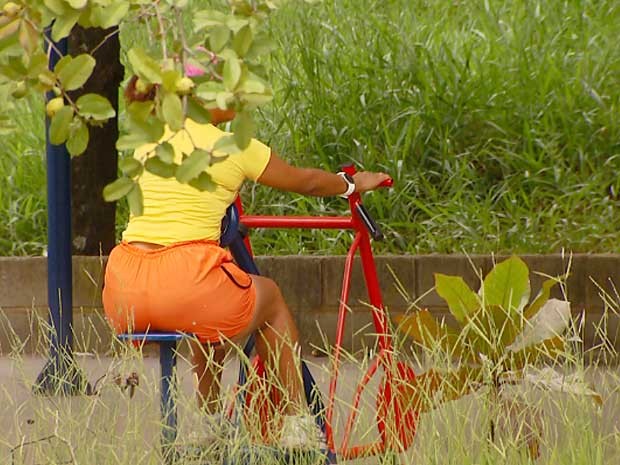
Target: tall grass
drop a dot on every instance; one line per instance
(498, 121)
(118, 426)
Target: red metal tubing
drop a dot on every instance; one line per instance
(315, 222)
(342, 314)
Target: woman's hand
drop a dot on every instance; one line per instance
(367, 181)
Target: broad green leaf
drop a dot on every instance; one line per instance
(260, 46)
(77, 4)
(165, 152)
(140, 111)
(252, 86)
(159, 168)
(209, 90)
(236, 24)
(132, 141)
(95, 106)
(74, 73)
(197, 112)
(242, 41)
(145, 66)
(63, 24)
(218, 37)
(550, 321)
(423, 328)
(507, 285)
(78, 137)
(169, 79)
(130, 167)
(541, 298)
(58, 7)
(118, 189)
(60, 125)
(255, 100)
(244, 130)
(207, 19)
(222, 99)
(193, 165)
(490, 329)
(225, 145)
(172, 109)
(232, 73)
(136, 200)
(461, 300)
(112, 15)
(203, 182)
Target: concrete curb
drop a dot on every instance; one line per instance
(311, 286)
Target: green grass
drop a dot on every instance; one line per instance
(498, 121)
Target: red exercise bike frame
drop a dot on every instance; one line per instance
(396, 423)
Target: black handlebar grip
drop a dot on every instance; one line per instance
(369, 222)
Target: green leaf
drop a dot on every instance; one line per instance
(244, 130)
(507, 285)
(197, 112)
(111, 15)
(144, 66)
(423, 328)
(135, 200)
(78, 138)
(61, 125)
(242, 41)
(203, 182)
(541, 298)
(461, 300)
(222, 99)
(157, 167)
(209, 90)
(118, 189)
(140, 133)
(218, 38)
(63, 24)
(75, 72)
(58, 7)
(172, 109)
(193, 165)
(169, 79)
(256, 99)
(140, 111)
(165, 152)
(232, 73)
(77, 4)
(95, 106)
(130, 167)
(225, 145)
(207, 19)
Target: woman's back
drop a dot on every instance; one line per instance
(176, 212)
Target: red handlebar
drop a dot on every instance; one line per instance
(387, 183)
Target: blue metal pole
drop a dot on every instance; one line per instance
(167, 362)
(60, 375)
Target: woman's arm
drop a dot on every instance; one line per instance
(311, 181)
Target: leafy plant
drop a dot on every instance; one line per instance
(502, 335)
(215, 65)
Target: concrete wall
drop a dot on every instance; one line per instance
(311, 286)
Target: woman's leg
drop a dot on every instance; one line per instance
(208, 360)
(277, 340)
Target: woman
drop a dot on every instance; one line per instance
(169, 273)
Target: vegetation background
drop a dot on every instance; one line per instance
(498, 120)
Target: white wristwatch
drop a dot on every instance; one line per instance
(350, 184)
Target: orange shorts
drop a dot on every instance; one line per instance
(192, 287)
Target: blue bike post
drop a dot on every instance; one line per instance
(60, 374)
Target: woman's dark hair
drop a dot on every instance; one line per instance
(132, 94)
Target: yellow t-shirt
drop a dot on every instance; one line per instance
(175, 212)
